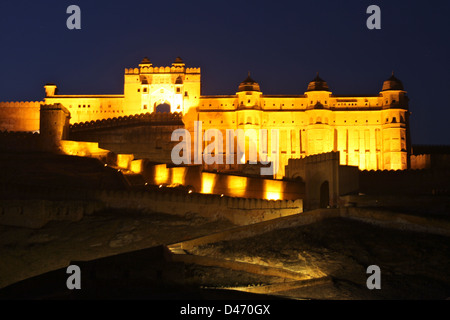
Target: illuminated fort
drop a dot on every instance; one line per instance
(370, 132)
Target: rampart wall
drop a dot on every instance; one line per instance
(19, 116)
(36, 213)
(240, 211)
(137, 119)
(144, 135)
(220, 183)
(325, 179)
(420, 161)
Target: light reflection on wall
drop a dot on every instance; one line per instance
(273, 190)
(83, 149)
(208, 182)
(161, 174)
(237, 186)
(178, 176)
(229, 185)
(124, 160)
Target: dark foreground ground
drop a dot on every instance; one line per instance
(122, 255)
(413, 265)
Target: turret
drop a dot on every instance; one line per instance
(145, 63)
(394, 94)
(318, 93)
(50, 90)
(317, 84)
(249, 93)
(395, 117)
(178, 63)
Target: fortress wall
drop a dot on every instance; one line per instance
(36, 213)
(52, 124)
(19, 116)
(137, 166)
(217, 183)
(124, 160)
(83, 149)
(142, 118)
(238, 210)
(348, 180)
(325, 179)
(90, 108)
(420, 161)
(144, 135)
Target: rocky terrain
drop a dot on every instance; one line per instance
(413, 265)
(30, 252)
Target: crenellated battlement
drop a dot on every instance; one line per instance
(333, 155)
(240, 211)
(370, 131)
(149, 70)
(296, 163)
(35, 214)
(142, 118)
(20, 104)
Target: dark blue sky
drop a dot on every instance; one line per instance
(282, 43)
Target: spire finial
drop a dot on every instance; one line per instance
(249, 73)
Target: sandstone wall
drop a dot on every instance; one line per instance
(19, 116)
(36, 213)
(239, 211)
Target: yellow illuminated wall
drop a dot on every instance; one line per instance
(365, 130)
(369, 132)
(229, 185)
(145, 88)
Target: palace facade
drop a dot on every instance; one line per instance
(370, 132)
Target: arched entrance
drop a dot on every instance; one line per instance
(324, 195)
(162, 107)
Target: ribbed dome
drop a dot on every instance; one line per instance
(392, 84)
(318, 84)
(249, 85)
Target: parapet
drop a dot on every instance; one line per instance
(54, 107)
(333, 155)
(21, 104)
(155, 118)
(148, 70)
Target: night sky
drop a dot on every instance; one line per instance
(282, 43)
